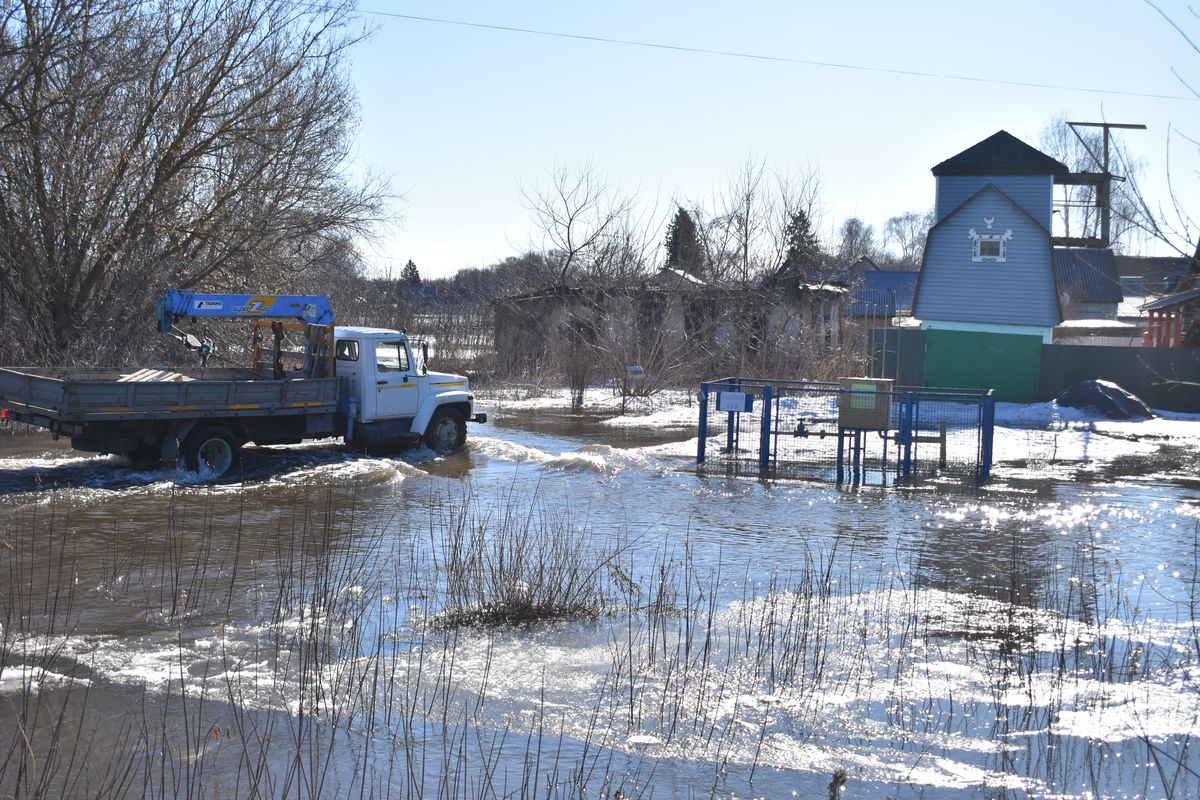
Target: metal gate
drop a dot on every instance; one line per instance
(1009, 363)
(805, 429)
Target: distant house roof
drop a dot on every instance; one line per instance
(827, 288)
(678, 276)
(884, 294)
(1173, 300)
(1151, 266)
(1097, 324)
(1087, 274)
(1131, 306)
(1001, 154)
(857, 271)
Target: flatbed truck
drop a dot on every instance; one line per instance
(365, 385)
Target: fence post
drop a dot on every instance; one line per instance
(987, 413)
(703, 423)
(841, 473)
(906, 433)
(731, 425)
(764, 437)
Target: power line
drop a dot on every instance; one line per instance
(777, 59)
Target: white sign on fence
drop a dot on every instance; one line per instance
(734, 401)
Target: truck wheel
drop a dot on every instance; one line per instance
(212, 451)
(446, 431)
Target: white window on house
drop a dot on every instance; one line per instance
(989, 247)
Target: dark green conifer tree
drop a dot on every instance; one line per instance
(410, 276)
(683, 245)
(802, 249)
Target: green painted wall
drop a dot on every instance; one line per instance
(1165, 378)
(1008, 363)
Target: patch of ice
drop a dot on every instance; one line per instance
(644, 740)
(30, 679)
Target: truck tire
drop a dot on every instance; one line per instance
(213, 451)
(446, 431)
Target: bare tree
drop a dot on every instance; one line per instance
(907, 232)
(1167, 222)
(185, 142)
(574, 215)
(745, 237)
(855, 240)
(746, 208)
(797, 195)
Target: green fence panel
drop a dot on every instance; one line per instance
(1166, 378)
(899, 354)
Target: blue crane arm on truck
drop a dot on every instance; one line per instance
(312, 309)
(305, 309)
(363, 384)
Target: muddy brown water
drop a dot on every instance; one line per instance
(262, 635)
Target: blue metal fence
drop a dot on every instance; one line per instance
(800, 429)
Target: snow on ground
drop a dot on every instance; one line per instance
(1030, 433)
(1047, 432)
(672, 408)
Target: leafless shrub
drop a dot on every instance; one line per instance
(518, 563)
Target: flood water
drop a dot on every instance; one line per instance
(305, 630)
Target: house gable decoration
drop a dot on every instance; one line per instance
(989, 247)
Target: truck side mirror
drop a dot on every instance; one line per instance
(424, 357)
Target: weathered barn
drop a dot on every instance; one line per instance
(668, 321)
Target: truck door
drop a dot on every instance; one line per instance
(396, 393)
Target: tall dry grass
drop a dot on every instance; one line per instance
(314, 656)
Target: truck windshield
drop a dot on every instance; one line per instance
(390, 357)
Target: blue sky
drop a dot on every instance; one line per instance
(463, 118)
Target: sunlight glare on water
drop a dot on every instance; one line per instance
(756, 637)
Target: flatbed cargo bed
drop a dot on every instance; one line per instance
(74, 396)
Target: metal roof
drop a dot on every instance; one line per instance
(884, 294)
(1087, 274)
(1173, 300)
(1152, 267)
(1001, 154)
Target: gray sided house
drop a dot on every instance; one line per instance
(987, 297)
(1004, 304)
(987, 265)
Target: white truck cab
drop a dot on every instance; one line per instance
(392, 395)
